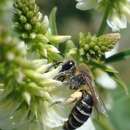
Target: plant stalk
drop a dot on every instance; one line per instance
(104, 23)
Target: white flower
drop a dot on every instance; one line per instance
(112, 52)
(86, 4)
(104, 80)
(88, 125)
(45, 22)
(118, 15)
(117, 22)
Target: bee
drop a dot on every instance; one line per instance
(79, 78)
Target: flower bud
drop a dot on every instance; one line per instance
(32, 18)
(23, 19)
(94, 48)
(59, 39)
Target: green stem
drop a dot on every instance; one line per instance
(104, 24)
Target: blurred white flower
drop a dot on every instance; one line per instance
(119, 12)
(45, 21)
(112, 52)
(117, 23)
(86, 4)
(104, 80)
(88, 125)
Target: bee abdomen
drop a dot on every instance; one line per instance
(80, 113)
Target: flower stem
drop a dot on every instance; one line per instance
(104, 24)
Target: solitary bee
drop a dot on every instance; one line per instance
(79, 78)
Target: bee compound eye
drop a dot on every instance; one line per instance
(68, 65)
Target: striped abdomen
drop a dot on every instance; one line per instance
(80, 113)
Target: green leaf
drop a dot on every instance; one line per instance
(119, 56)
(102, 66)
(103, 123)
(120, 113)
(52, 20)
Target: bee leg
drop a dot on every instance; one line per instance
(50, 66)
(56, 102)
(60, 75)
(63, 76)
(55, 64)
(74, 97)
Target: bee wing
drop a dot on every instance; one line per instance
(99, 103)
(103, 106)
(83, 67)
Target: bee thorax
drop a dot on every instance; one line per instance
(77, 81)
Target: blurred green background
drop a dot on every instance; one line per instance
(71, 21)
